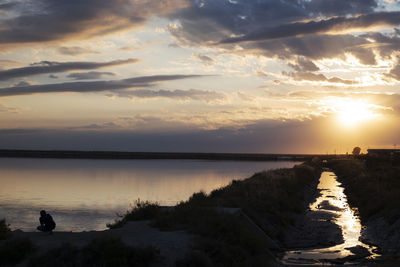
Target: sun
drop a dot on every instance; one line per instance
(351, 113)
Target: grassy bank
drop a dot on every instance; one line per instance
(373, 187)
(271, 199)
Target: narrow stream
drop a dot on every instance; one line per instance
(332, 199)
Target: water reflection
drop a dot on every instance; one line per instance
(333, 200)
(86, 194)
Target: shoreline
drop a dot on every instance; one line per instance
(70, 154)
(250, 221)
(242, 221)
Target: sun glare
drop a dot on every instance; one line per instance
(353, 112)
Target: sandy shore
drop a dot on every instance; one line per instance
(172, 245)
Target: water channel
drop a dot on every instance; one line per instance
(332, 199)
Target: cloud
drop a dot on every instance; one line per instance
(205, 21)
(312, 29)
(383, 44)
(75, 50)
(92, 75)
(337, 24)
(22, 83)
(44, 67)
(245, 97)
(303, 64)
(312, 47)
(340, 7)
(261, 136)
(309, 76)
(96, 126)
(140, 122)
(205, 59)
(395, 73)
(44, 20)
(6, 7)
(192, 94)
(7, 63)
(95, 86)
(8, 109)
(385, 103)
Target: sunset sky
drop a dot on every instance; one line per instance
(264, 76)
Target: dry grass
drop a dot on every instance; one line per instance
(372, 187)
(271, 199)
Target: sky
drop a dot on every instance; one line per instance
(240, 76)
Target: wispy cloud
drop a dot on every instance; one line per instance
(337, 24)
(8, 109)
(95, 86)
(75, 50)
(191, 94)
(92, 75)
(312, 77)
(206, 60)
(44, 67)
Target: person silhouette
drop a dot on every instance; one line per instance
(47, 223)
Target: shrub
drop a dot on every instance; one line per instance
(142, 210)
(4, 229)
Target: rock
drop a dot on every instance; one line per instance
(380, 233)
(359, 252)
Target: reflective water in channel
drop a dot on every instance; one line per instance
(332, 199)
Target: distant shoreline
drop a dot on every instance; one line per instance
(69, 154)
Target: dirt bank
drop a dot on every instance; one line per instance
(172, 245)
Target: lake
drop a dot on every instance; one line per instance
(87, 194)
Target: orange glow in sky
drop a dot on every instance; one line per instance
(197, 75)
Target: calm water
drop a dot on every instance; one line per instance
(87, 194)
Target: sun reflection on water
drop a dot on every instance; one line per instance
(333, 200)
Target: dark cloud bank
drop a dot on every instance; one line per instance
(289, 30)
(273, 28)
(260, 137)
(48, 20)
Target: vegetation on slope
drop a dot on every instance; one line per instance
(372, 187)
(4, 229)
(223, 237)
(271, 199)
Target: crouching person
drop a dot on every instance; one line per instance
(47, 223)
